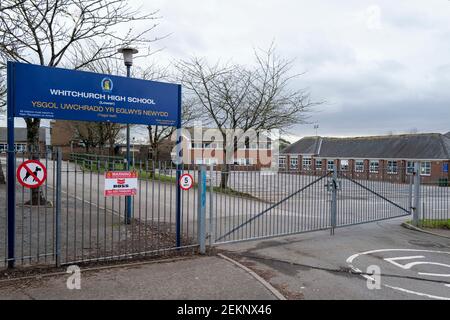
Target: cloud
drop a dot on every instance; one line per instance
(373, 17)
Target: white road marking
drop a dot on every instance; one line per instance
(417, 293)
(434, 274)
(393, 261)
(353, 257)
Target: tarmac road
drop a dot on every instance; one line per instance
(316, 265)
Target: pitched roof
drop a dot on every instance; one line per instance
(20, 134)
(447, 134)
(428, 146)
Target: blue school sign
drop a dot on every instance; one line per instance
(53, 93)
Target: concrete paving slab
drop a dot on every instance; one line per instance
(203, 278)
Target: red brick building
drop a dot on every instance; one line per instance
(389, 157)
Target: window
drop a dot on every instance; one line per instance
(330, 165)
(294, 162)
(282, 162)
(199, 161)
(409, 167)
(425, 168)
(241, 161)
(3, 147)
(307, 163)
(374, 166)
(344, 165)
(196, 145)
(392, 167)
(318, 164)
(211, 161)
(211, 145)
(359, 166)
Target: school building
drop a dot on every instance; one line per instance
(20, 139)
(388, 157)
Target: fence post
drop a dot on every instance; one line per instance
(416, 206)
(58, 208)
(334, 188)
(211, 206)
(201, 210)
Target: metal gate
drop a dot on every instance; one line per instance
(271, 204)
(73, 222)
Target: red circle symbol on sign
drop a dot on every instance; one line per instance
(186, 181)
(31, 174)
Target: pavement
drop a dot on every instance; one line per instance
(412, 265)
(199, 278)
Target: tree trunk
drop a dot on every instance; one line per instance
(111, 147)
(2, 175)
(225, 173)
(33, 125)
(225, 168)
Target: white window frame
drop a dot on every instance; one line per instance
(422, 167)
(374, 164)
(282, 161)
(306, 163)
(391, 168)
(292, 160)
(360, 166)
(408, 167)
(330, 165)
(344, 165)
(199, 161)
(318, 168)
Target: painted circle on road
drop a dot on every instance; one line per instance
(407, 268)
(31, 174)
(186, 182)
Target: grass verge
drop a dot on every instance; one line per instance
(434, 224)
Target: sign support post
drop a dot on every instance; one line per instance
(11, 169)
(178, 175)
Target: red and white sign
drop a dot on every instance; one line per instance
(31, 174)
(186, 181)
(121, 183)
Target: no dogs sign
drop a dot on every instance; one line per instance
(31, 174)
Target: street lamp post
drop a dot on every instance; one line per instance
(128, 60)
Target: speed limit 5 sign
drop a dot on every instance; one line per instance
(186, 181)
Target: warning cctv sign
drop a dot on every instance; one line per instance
(121, 183)
(31, 174)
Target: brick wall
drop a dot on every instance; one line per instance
(382, 175)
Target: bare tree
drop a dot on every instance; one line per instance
(97, 134)
(72, 33)
(234, 97)
(2, 175)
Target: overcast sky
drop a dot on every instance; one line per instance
(382, 66)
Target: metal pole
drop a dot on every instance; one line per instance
(211, 205)
(201, 210)
(178, 175)
(58, 208)
(334, 199)
(11, 167)
(416, 207)
(128, 198)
